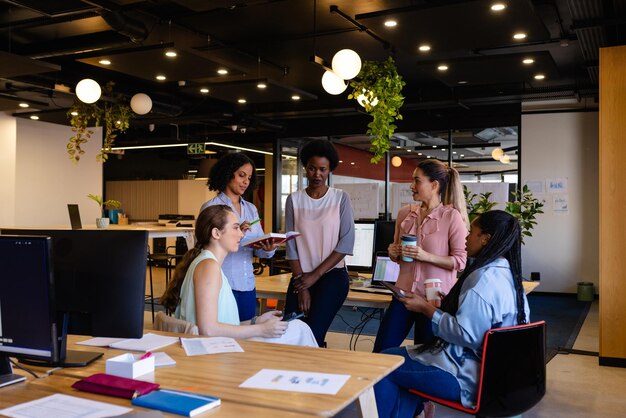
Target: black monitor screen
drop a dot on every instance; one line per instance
(383, 236)
(27, 314)
(100, 279)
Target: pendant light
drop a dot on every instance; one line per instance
(88, 91)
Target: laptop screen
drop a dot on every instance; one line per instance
(74, 216)
(385, 270)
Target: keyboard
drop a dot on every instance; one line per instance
(371, 289)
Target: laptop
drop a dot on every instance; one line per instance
(385, 270)
(74, 216)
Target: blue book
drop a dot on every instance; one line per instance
(178, 402)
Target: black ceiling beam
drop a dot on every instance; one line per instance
(598, 22)
(417, 7)
(38, 22)
(458, 146)
(361, 27)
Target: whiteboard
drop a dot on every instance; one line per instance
(401, 195)
(364, 197)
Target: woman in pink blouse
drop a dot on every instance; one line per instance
(440, 224)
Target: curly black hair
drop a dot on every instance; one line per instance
(224, 171)
(319, 148)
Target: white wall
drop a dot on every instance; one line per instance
(191, 195)
(564, 246)
(45, 179)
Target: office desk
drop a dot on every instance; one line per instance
(157, 231)
(221, 374)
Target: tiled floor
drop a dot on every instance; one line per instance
(577, 385)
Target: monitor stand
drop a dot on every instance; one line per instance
(72, 359)
(6, 372)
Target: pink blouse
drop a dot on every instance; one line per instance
(442, 232)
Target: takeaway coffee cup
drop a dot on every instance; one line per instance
(433, 287)
(408, 239)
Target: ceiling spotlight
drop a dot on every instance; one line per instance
(34, 117)
(391, 23)
(498, 7)
(222, 71)
(346, 64)
(141, 103)
(442, 68)
(424, 48)
(74, 113)
(528, 61)
(519, 35)
(161, 77)
(396, 161)
(497, 154)
(352, 163)
(170, 53)
(434, 146)
(104, 62)
(409, 150)
(261, 86)
(419, 153)
(24, 105)
(539, 76)
(88, 91)
(295, 97)
(204, 90)
(242, 101)
(462, 82)
(333, 84)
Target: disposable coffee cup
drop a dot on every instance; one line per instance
(408, 239)
(433, 289)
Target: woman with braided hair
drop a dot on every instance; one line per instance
(200, 293)
(489, 294)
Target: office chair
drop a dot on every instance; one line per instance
(167, 259)
(513, 372)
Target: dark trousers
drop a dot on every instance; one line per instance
(396, 324)
(246, 303)
(327, 297)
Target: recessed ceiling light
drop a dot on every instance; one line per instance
(528, 61)
(340, 161)
(104, 62)
(24, 105)
(34, 117)
(74, 113)
(242, 101)
(498, 7)
(462, 82)
(351, 162)
(391, 23)
(204, 90)
(161, 77)
(453, 152)
(442, 68)
(519, 35)
(424, 48)
(434, 146)
(539, 76)
(261, 86)
(408, 150)
(295, 97)
(397, 146)
(171, 53)
(462, 155)
(222, 71)
(419, 153)
(428, 156)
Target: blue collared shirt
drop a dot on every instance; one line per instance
(238, 266)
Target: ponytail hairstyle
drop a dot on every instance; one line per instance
(450, 188)
(215, 216)
(505, 242)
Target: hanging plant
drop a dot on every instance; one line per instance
(114, 115)
(378, 89)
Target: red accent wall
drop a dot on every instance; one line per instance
(364, 169)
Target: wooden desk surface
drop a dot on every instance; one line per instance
(221, 374)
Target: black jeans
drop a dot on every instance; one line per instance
(327, 297)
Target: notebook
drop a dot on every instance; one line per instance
(74, 216)
(178, 402)
(385, 270)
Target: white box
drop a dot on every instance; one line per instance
(126, 365)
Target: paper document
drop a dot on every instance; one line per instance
(100, 341)
(63, 406)
(211, 345)
(296, 381)
(149, 342)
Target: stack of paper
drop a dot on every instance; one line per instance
(149, 342)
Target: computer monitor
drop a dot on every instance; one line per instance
(28, 317)
(99, 283)
(383, 235)
(362, 258)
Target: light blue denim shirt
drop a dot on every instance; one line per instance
(487, 300)
(238, 266)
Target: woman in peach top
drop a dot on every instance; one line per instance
(440, 224)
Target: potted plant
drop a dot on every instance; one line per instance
(525, 207)
(116, 118)
(103, 221)
(378, 89)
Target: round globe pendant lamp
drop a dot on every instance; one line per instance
(497, 154)
(396, 161)
(141, 103)
(505, 159)
(346, 64)
(88, 91)
(333, 84)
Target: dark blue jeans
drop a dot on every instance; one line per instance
(327, 297)
(246, 303)
(396, 324)
(392, 396)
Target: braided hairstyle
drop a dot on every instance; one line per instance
(505, 242)
(215, 216)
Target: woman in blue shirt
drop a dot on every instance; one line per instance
(489, 294)
(231, 176)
